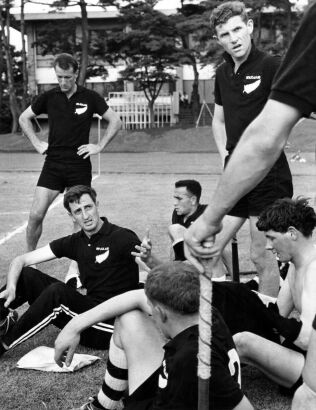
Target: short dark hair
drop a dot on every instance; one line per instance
(175, 285)
(75, 193)
(193, 186)
(287, 212)
(225, 11)
(66, 61)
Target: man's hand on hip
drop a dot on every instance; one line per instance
(88, 149)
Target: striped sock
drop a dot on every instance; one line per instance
(115, 379)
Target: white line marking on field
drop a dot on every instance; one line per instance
(22, 227)
(14, 213)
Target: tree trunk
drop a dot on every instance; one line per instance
(14, 107)
(259, 28)
(1, 68)
(195, 97)
(84, 44)
(289, 25)
(24, 61)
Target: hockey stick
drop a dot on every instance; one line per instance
(205, 335)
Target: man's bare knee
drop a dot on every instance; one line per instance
(131, 324)
(242, 341)
(36, 217)
(258, 255)
(304, 398)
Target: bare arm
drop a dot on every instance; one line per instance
(39, 255)
(25, 122)
(309, 370)
(69, 337)
(285, 300)
(114, 125)
(257, 151)
(308, 307)
(219, 131)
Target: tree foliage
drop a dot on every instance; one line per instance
(148, 45)
(5, 23)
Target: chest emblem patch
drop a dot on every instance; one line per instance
(102, 256)
(249, 88)
(81, 108)
(163, 376)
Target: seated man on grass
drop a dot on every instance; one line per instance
(187, 208)
(158, 373)
(106, 266)
(288, 226)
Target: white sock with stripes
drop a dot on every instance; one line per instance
(115, 379)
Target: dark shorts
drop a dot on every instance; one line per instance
(58, 175)
(277, 184)
(143, 397)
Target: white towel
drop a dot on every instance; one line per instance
(42, 358)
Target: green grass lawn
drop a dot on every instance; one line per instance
(168, 139)
(135, 190)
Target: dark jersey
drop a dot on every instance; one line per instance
(295, 82)
(179, 219)
(243, 94)
(105, 263)
(69, 120)
(314, 323)
(178, 381)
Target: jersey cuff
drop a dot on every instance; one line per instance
(293, 100)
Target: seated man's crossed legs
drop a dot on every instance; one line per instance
(135, 354)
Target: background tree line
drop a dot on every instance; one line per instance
(151, 45)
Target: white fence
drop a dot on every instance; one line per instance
(133, 109)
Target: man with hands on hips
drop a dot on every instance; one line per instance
(70, 109)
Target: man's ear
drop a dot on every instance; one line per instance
(250, 26)
(162, 313)
(194, 199)
(293, 233)
(71, 216)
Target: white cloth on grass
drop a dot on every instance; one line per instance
(42, 358)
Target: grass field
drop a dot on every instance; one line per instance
(134, 190)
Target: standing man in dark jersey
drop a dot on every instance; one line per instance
(70, 109)
(293, 96)
(242, 86)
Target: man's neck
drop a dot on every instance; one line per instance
(239, 62)
(181, 323)
(71, 92)
(98, 227)
(304, 255)
(190, 213)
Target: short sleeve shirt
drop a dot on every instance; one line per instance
(105, 263)
(178, 381)
(69, 119)
(295, 81)
(243, 94)
(179, 219)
